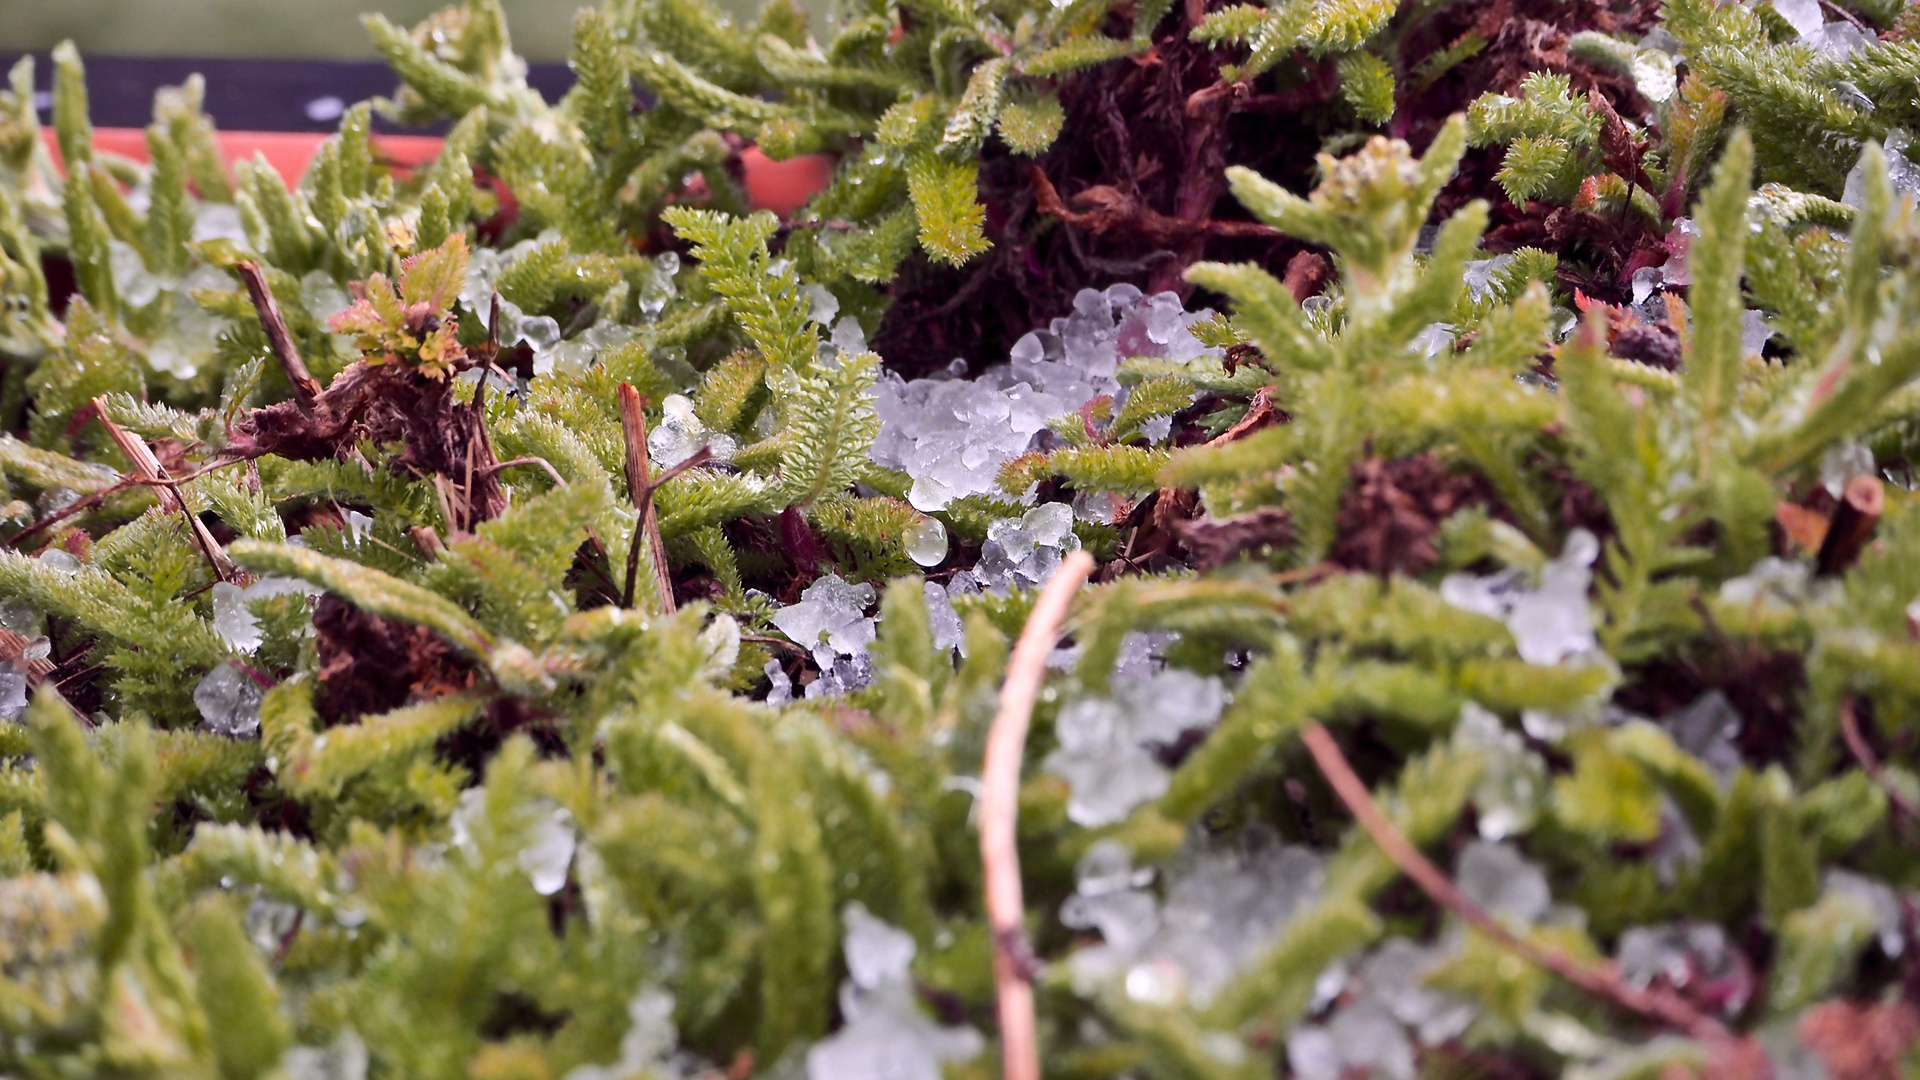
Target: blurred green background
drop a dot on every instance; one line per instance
(259, 28)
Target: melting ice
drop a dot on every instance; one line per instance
(1550, 622)
(1107, 744)
(229, 702)
(886, 1036)
(831, 622)
(952, 435)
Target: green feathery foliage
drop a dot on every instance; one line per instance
(439, 713)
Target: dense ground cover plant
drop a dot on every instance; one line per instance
(506, 621)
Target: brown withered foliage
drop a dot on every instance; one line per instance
(1215, 542)
(1391, 515)
(370, 664)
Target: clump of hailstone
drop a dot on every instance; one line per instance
(1550, 621)
(1022, 552)
(1225, 900)
(832, 624)
(952, 435)
(233, 617)
(680, 434)
(229, 702)
(1108, 744)
(1387, 1007)
(948, 631)
(1513, 779)
(1694, 957)
(886, 1036)
(542, 333)
(13, 691)
(647, 1049)
(550, 837)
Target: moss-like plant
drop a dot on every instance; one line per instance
(1493, 668)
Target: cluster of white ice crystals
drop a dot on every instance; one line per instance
(1107, 744)
(542, 332)
(13, 691)
(1385, 1005)
(1021, 552)
(1550, 622)
(233, 617)
(1513, 779)
(831, 622)
(886, 1036)
(1224, 901)
(951, 435)
(1388, 1008)
(549, 834)
(229, 702)
(1837, 39)
(647, 1049)
(680, 434)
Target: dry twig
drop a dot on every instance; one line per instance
(1851, 527)
(1661, 1006)
(640, 485)
(999, 811)
(1109, 209)
(1870, 761)
(305, 388)
(149, 470)
(72, 509)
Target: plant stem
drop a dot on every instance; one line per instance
(305, 389)
(1658, 1005)
(633, 427)
(150, 471)
(999, 812)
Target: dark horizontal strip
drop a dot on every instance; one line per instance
(251, 95)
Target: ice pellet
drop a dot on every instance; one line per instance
(13, 691)
(229, 702)
(886, 1036)
(549, 852)
(1497, 878)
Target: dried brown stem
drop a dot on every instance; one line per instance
(1261, 412)
(633, 428)
(1657, 1005)
(1852, 524)
(1870, 761)
(305, 389)
(558, 480)
(72, 509)
(1107, 209)
(999, 813)
(149, 470)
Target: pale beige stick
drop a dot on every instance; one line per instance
(999, 812)
(148, 468)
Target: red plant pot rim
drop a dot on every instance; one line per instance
(779, 186)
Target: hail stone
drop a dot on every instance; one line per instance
(13, 691)
(229, 702)
(1497, 878)
(549, 852)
